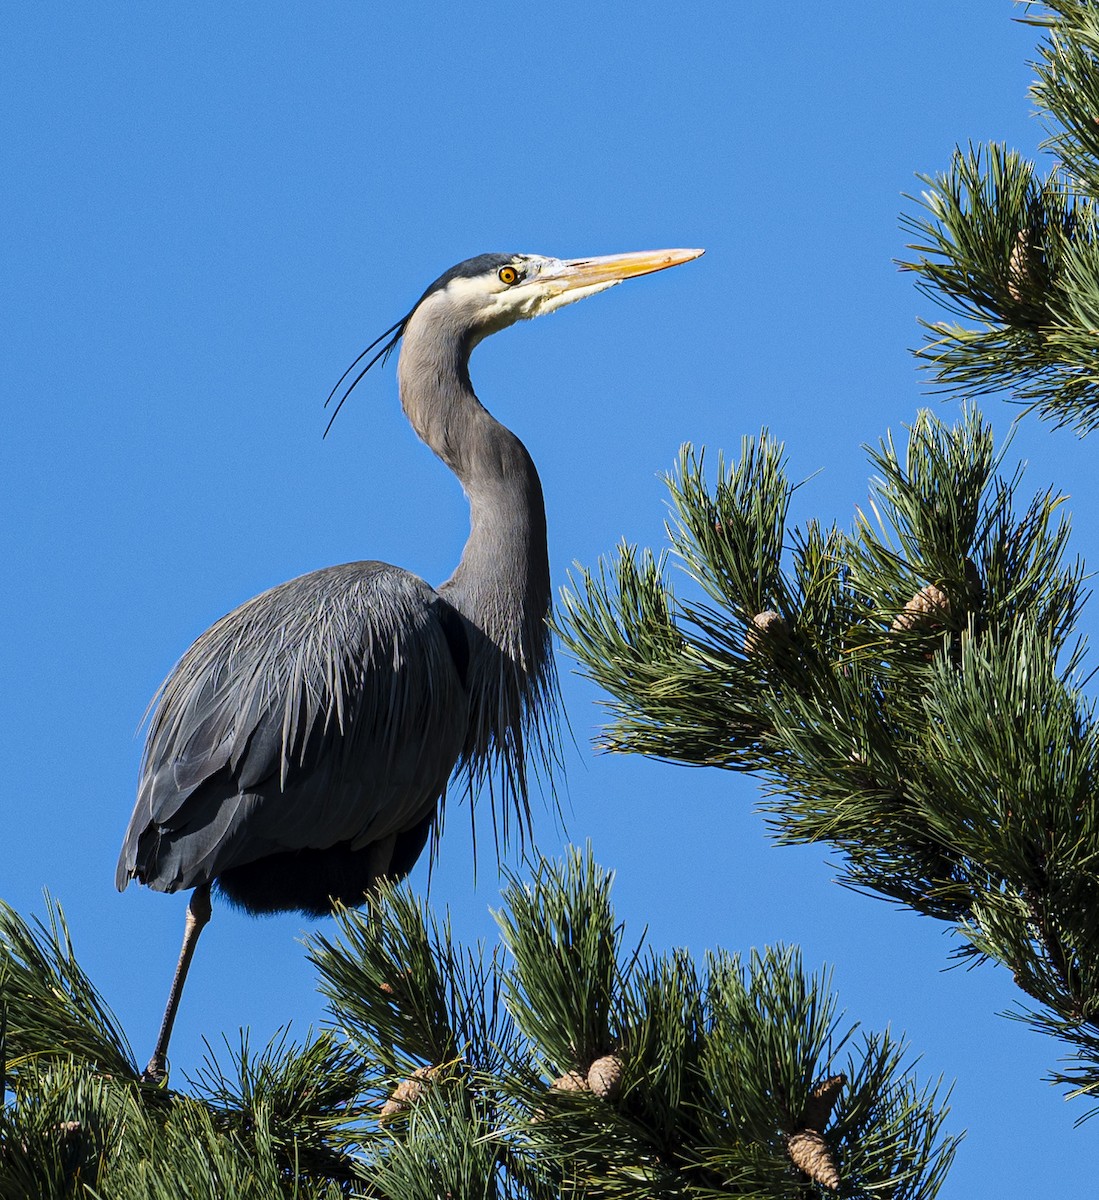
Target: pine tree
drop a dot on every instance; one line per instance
(910, 690)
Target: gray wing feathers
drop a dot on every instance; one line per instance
(327, 710)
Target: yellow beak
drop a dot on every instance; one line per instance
(612, 268)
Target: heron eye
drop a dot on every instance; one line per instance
(508, 275)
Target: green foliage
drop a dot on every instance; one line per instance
(184, 1153)
(449, 1071)
(911, 698)
(48, 1006)
(1016, 256)
(908, 691)
(716, 1065)
(561, 933)
(71, 1130)
(300, 1106)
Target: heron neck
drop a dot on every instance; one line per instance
(502, 582)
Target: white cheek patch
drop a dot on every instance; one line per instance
(550, 303)
(486, 301)
(470, 290)
(492, 305)
(538, 297)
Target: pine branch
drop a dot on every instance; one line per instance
(50, 1008)
(1017, 256)
(306, 1101)
(563, 1065)
(916, 707)
(703, 1080)
(567, 948)
(387, 988)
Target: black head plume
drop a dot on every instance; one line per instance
(479, 265)
(397, 331)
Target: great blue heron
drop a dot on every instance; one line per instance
(299, 750)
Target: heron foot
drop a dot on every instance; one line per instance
(157, 1071)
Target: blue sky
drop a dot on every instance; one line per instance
(209, 209)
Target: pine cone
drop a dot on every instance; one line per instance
(809, 1152)
(406, 1093)
(822, 1099)
(394, 987)
(768, 627)
(1020, 275)
(605, 1076)
(571, 1081)
(927, 607)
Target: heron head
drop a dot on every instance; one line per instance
(485, 294)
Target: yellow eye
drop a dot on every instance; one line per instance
(508, 275)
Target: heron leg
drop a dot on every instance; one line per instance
(198, 913)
